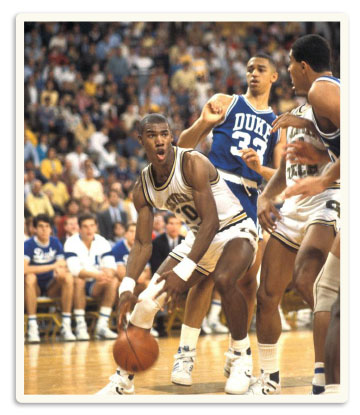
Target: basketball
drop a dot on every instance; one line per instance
(135, 350)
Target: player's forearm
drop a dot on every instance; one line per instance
(332, 174)
(267, 172)
(277, 182)
(138, 258)
(190, 137)
(38, 269)
(204, 237)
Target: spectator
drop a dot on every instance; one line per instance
(98, 139)
(51, 93)
(30, 152)
(117, 65)
(51, 164)
(37, 202)
(184, 78)
(71, 227)
(42, 147)
(165, 242)
(118, 232)
(158, 225)
(56, 191)
(76, 160)
(47, 117)
(88, 256)
(46, 273)
(84, 130)
(114, 213)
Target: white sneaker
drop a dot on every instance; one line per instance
(264, 386)
(240, 373)
(33, 336)
(81, 332)
(104, 333)
(183, 366)
(121, 383)
(217, 327)
(205, 327)
(66, 334)
(284, 324)
(154, 332)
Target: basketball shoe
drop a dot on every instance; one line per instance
(183, 366)
(238, 370)
(217, 327)
(33, 336)
(104, 333)
(265, 385)
(81, 332)
(66, 334)
(121, 383)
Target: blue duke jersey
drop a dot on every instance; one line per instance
(330, 140)
(121, 252)
(38, 254)
(243, 127)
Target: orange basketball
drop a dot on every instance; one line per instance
(135, 350)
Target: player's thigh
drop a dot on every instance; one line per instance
(276, 268)
(252, 272)
(31, 280)
(235, 260)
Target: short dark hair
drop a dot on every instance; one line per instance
(168, 217)
(264, 55)
(41, 218)
(86, 216)
(153, 118)
(314, 50)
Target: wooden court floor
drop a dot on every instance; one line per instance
(82, 368)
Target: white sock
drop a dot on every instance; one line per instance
(332, 388)
(268, 357)
(240, 346)
(32, 321)
(104, 314)
(66, 319)
(79, 317)
(319, 374)
(215, 310)
(189, 336)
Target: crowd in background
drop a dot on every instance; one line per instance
(88, 84)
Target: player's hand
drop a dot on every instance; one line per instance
(309, 186)
(251, 159)
(213, 112)
(266, 213)
(174, 287)
(289, 120)
(127, 302)
(301, 152)
(60, 263)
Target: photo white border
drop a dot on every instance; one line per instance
(233, 17)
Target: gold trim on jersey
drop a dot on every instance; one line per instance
(198, 267)
(285, 241)
(181, 166)
(216, 180)
(331, 223)
(145, 189)
(166, 184)
(234, 221)
(334, 186)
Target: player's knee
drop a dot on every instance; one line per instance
(267, 301)
(223, 283)
(306, 270)
(30, 280)
(248, 284)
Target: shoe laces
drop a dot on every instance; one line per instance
(238, 363)
(185, 355)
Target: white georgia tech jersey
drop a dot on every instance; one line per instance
(176, 196)
(299, 171)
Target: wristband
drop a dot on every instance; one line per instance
(127, 284)
(185, 268)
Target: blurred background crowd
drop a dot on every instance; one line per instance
(88, 84)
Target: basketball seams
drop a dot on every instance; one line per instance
(133, 350)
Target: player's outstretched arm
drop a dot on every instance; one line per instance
(290, 120)
(212, 114)
(265, 206)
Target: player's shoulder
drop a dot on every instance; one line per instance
(193, 158)
(321, 90)
(224, 99)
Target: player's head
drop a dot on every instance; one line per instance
(308, 55)
(173, 225)
(156, 137)
(130, 232)
(42, 225)
(87, 226)
(261, 74)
